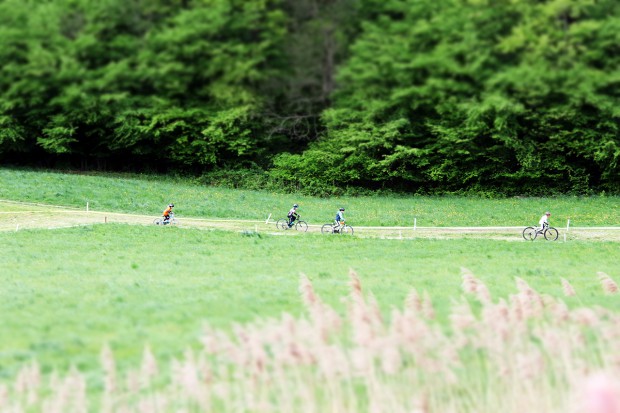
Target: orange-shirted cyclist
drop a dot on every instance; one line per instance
(167, 212)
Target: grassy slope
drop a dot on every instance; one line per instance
(67, 292)
(149, 195)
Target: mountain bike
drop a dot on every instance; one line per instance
(161, 221)
(550, 233)
(299, 225)
(337, 229)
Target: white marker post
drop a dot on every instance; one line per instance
(567, 226)
(267, 222)
(87, 207)
(415, 223)
(17, 228)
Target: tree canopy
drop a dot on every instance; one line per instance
(425, 96)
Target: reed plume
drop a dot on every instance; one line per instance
(149, 369)
(470, 283)
(427, 306)
(609, 285)
(308, 296)
(413, 302)
(567, 288)
(473, 285)
(355, 286)
(108, 365)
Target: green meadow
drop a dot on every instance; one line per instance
(65, 293)
(68, 292)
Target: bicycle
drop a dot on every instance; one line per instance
(299, 225)
(337, 229)
(550, 233)
(161, 221)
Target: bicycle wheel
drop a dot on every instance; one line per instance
(282, 223)
(301, 226)
(551, 234)
(347, 229)
(327, 229)
(172, 221)
(158, 221)
(530, 233)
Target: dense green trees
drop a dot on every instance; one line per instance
(166, 82)
(428, 96)
(450, 94)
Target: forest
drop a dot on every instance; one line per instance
(500, 97)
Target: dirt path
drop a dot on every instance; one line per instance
(21, 216)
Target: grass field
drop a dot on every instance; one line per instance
(67, 293)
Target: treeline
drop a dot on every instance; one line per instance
(425, 96)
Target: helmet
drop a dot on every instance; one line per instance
(295, 206)
(342, 209)
(547, 213)
(171, 205)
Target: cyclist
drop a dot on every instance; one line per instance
(292, 215)
(339, 220)
(167, 212)
(543, 222)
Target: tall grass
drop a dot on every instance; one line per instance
(150, 194)
(527, 352)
